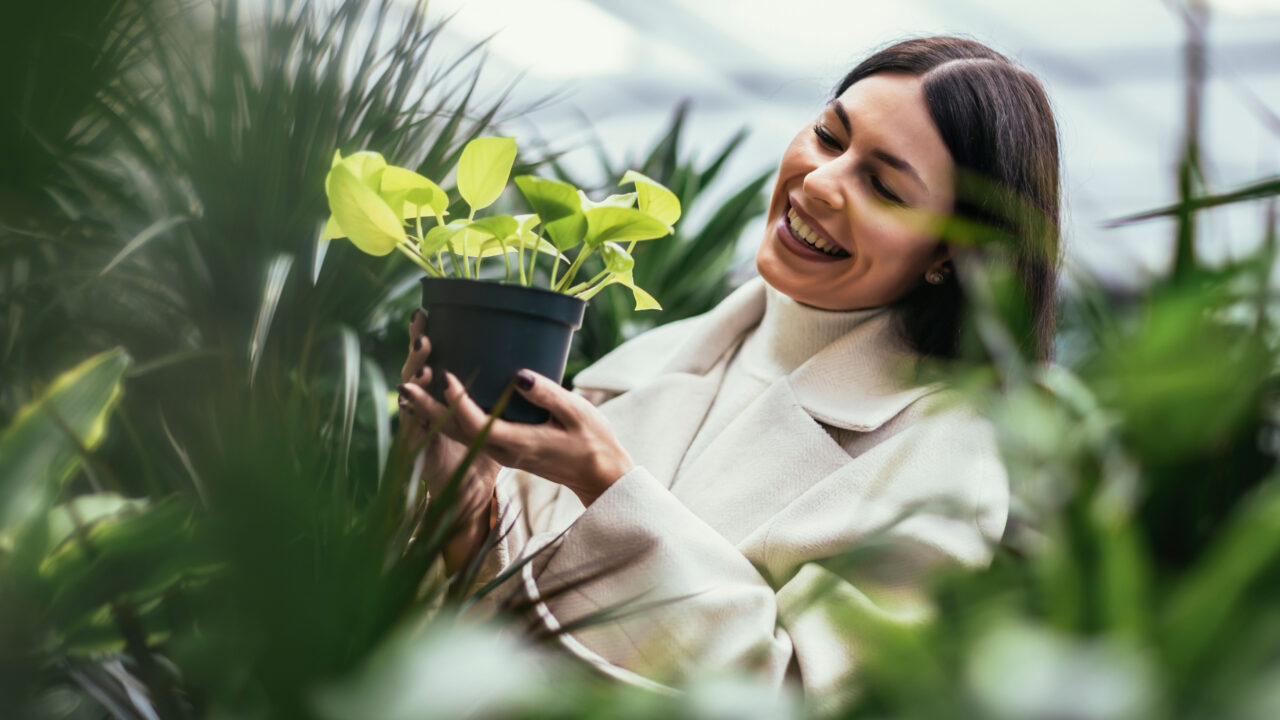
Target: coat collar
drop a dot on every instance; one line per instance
(859, 382)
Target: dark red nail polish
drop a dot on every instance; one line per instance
(422, 371)
(417, 344)
(524, 380)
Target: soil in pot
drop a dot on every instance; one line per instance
(484, 332)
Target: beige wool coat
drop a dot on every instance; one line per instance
(845, 453)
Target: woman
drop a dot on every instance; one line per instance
(730, 457)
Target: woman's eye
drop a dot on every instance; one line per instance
(826, 138)
(884, 192)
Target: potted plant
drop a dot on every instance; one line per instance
(485, 331)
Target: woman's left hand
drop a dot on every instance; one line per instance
(575, 448)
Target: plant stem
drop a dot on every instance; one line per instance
(584, 285)
(466, 247)
(533, 261)
(524, 279)
(573, 269)
(412, 253)
(506, 256)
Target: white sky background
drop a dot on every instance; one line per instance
(1113, 70)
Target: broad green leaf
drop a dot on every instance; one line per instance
(656, 200)
(618, 224)
(37, 457)
(484, 168)
(412, 190)
(475, 243)
(550, 199)
(567, 232)
(617, 259)
(368, 221)
(439, 236)
(497, 226)
(365, 165)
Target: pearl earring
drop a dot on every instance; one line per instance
(935, 278)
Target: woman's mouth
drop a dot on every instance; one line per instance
(801, 239)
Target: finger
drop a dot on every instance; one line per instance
(419, 348)
(470, 418)
(508, 443)
(566, 407)
(425, 410)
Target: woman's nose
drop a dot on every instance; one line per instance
(826, 183)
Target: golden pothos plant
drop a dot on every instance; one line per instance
(383, 208)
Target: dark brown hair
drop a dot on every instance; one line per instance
(996, 121)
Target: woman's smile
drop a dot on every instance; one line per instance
(807, 238)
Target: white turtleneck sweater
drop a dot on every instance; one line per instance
(788, 335)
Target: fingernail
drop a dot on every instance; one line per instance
(404, 391)
(422, 340)
(524, 380)
(422, 371)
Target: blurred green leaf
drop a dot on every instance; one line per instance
(44, 445)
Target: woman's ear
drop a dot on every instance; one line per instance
(941, 268)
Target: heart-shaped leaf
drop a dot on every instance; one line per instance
(413, 190)
(616, 258)
(656, 200)
(484, 168)
(366, 219)
(439, 236)
(621, 224)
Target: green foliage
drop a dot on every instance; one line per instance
(362, 202)
(690, 271)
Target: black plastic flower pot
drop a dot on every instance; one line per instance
(484, 332)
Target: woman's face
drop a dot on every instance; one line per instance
(856, 192)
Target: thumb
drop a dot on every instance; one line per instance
(547, 393)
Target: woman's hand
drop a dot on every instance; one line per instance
(442, 454)
(575, 448)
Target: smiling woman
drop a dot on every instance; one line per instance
(724, 465)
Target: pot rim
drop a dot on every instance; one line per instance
(504, 297)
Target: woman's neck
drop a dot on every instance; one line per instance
(791, 332)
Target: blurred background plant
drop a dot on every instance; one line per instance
(201, 512)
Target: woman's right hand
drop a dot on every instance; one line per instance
(441, 454)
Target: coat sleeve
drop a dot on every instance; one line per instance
(693, 603)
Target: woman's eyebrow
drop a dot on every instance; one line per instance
(887, 158)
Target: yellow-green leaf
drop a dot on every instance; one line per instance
(616, 258)
(484, 168)
(656, 200)
(438, 236)
(413, 190)
(619, 224)
(368, 221)
(39, 450)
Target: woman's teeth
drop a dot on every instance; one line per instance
(811, 238)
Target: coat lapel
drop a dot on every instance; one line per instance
(765, 458)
